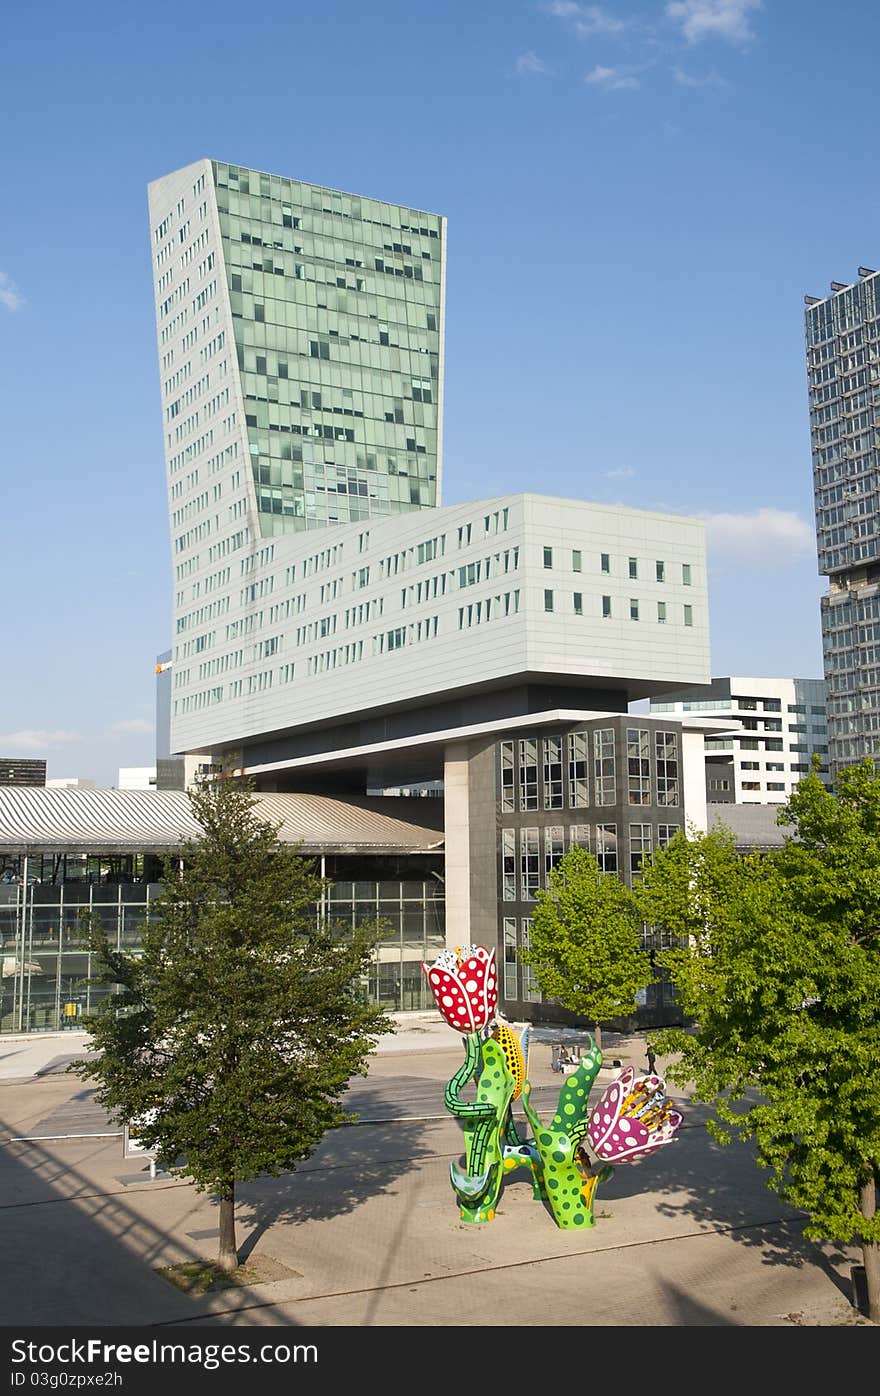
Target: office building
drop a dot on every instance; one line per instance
(843, 367)
(337, 629)
(18, 770)
(781, 726)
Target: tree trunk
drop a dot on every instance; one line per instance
(228, 1257)
(597, 1034)
(871, 1249)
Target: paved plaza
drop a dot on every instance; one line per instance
(367, 1232)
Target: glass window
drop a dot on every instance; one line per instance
(661, 612)
(554, 849)
(579, 836)
(606, 607)
(605, 562)
(640, 846)
(578, 786)
(638, 758)
(508, 860)
(604, 771)
(633, 567)
(528, 773)
(660, 569)
(548, 600)
(686, 574)
(772, 705)
(688, 615)
(578, 603)
(508, 777)
(531, 992)
(553, 773)
(666, 833)
(576, 560)
(666, 751)
(530, 864)
(510, 989)
(548, 557)
(606, 847)
(633, 608)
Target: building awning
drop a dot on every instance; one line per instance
(37, 821)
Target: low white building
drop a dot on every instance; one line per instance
(136, 778)
(782, 725)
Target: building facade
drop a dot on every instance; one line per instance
(339, 631)
(781, 725)
(843, 369)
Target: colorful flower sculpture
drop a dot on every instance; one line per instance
(634, 1117)
(465, 987)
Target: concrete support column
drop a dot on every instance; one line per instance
(456, 803)
(693, 780)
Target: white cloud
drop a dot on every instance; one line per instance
(766, 537)
(714, 19)
(711, 79)
(530, 65)
(10, 296)
(612, 79)
(29, 740)
(587, 20)
(135, 725)
(625, 472)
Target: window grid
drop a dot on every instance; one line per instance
(578, 783)
(528, 773)
(666, 752)
(553, 773)
(606, 847)
(638, 756)
(604, 766)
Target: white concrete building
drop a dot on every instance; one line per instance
(782, 725)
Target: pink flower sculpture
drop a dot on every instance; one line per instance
(465, 986)
(633, 1118)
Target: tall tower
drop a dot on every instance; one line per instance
(843, 366)
(300, 341)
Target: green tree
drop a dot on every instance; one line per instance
(232, 1035)
(585, 941)
(782, 977)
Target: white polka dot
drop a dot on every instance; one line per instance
(624, 1126)
(608, 1119)
(447, 1000)
(471, 986)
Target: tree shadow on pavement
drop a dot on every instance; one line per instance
(721, 1187)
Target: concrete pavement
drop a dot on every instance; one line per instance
(367, 1233)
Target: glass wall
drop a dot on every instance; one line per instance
(46, 966)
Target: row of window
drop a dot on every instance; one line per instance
(519, 770)
(635, 611)
(577, 564)
(525, 874)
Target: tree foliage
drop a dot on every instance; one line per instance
(231, 1036)
(781, 974)
(585, 941)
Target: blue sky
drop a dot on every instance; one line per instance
(638, 195)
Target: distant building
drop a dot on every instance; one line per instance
(19, 770)
(782, 725)
(71, 783)
(136, 778)
(843, 363)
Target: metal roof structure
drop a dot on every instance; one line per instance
(157, 821)
(753, 826)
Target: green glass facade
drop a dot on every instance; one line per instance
(337, 306)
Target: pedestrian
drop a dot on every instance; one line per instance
(651, 1060)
